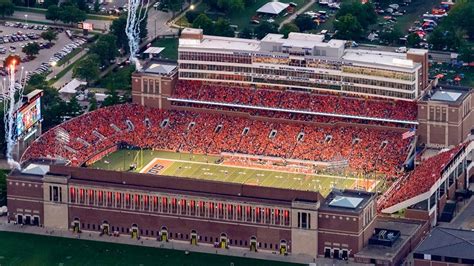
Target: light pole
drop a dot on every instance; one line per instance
(26, 18)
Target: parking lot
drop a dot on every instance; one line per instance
(43, 59)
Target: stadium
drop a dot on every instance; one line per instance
(257, 165)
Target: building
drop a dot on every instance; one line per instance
(207, 213)
(445, 246)
(154, 83)
(446, 116)
(303, 61)
(392, 241)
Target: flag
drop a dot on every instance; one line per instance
(410, 133)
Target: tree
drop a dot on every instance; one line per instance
(246, 33)
(348, 28)
(49, 35)
(231, 5)
(391, 37)
(6, 8)
(413, 40)
(175, 5)
(466, 53)
(53, 13)
(205, 23)
(437, 39)
(72, 15)
(31, 49)
(363, 13)
(287, 28)
(112, 98)
(264, 28)
(87, 69)
(191, 16)
(73, 107)
(48, 3)
(96, 6)
(305, 22)
(106, 48)
(223, 28)
(117, 28)
(92, 101)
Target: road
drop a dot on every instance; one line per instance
(158, 23)
(293, 17)
(98, 24)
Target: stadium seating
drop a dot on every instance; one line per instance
(421, 179)
(297, 100)
(364, 149)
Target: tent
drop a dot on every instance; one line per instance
(273, 8)
(72, 86)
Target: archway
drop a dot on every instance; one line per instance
(283, 247)
(194, 237)
(164, 234)
(36, 221)
(105, 228)
(223, 241)
(76, 226)
(19, 219)
(253, 243)
(134, 231)
(27, 219)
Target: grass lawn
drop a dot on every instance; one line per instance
(451, 72)
(3, 188)
(415, 11)
(68, 57)
(171, 48)
(204, 167)
(26, 249)
(242, 19)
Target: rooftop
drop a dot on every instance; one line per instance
(447, 242)
(407, 230)
(378, 57)
(346, 200)
(448, 94)
(159, 67)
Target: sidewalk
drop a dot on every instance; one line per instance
(68, 76)
(152, 242)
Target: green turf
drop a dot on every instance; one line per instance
(171, 48)
(204, 167)
(3, 188)
(26, 249)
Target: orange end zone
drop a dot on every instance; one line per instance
(159, 164)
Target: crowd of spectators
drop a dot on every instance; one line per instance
(77, 140)
(421, 179)
(297, 100)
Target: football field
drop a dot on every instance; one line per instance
(206, 167)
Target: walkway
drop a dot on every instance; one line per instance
(300, 11)
(152, 242)
(68, 76)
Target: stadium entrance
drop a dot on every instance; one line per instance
(164, 234)
(194, 237)
(19, 219)
(283, 247)
(105, 229)
(223, 241)
(253, 244)
(134, 231)
(76, 226)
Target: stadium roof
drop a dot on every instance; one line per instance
(345, 202)
(447, 242)
(273, 8)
